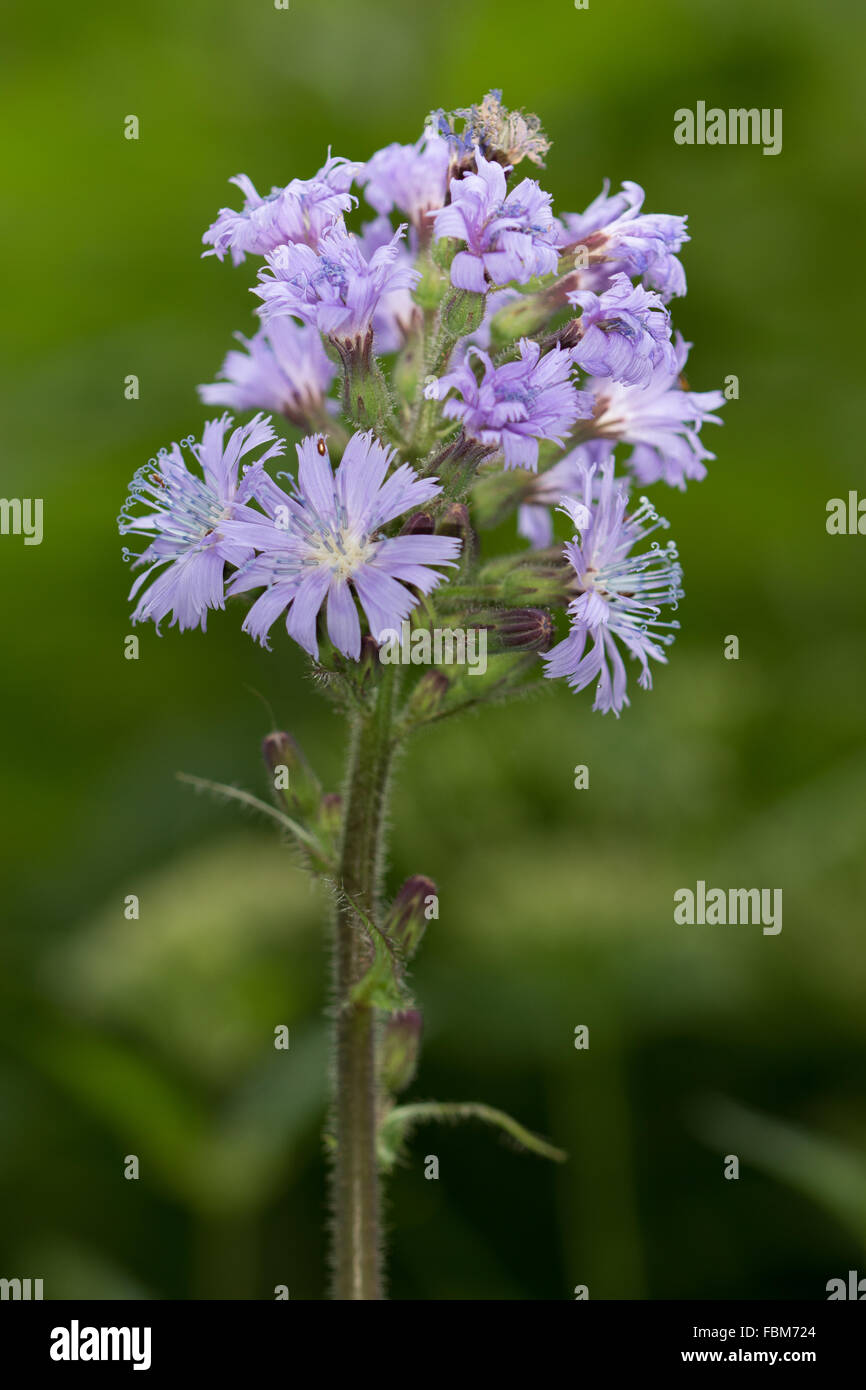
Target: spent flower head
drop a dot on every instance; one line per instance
(500, 134)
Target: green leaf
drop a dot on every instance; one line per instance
(224, 791)
(398, 1124)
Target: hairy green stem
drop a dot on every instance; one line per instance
(357, 1253)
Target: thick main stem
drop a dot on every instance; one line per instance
(357, 1254)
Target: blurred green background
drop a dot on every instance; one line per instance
(155, 1037)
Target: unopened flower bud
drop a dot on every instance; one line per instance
(401, 1042)
(454, 521)
(366, 396)
(520, 629)
(463, 312)
(429, 694)
(331, 815)
(293, 778)
(521, 318)
(408, 914)
(542, 584)
(278, 750)
(419, 524)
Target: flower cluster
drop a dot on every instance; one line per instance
(462, 358)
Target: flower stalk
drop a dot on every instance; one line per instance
(357, 1252)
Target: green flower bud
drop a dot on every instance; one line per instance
(463, 312)
(331, 816)
(366, 397)
(401, 1043)
(495, 494)
(294, 780)
(520, 319)
(454, 521)
(428, 697)
(407, 916)
(545, 585)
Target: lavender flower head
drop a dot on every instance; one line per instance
(396, 311)
(616, 232)
(413, 179)
(567, 478)
(620, 594)
(516, 405)
(187, 521)
(661, 420)
(336, 289)
(299, 212)
(283, 369)
(323, 544)
(508, 236)
(625, 332)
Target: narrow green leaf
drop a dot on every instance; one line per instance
(223, 790)
(399, 1123)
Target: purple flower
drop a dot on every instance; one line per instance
(188, 520)
(508, 237)
(661, 419)
(625, 332)
(619, 593)
(565, 479)
(299, 212)
(324, 543)
(515, 405)
(616, 232)
(396, 312)
(411, 178)
(284, 369)
(337, 289)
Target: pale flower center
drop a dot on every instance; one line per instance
(342, 551)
